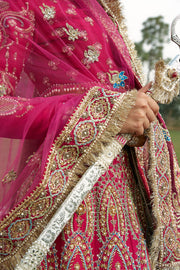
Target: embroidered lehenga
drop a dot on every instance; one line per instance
(68, 72)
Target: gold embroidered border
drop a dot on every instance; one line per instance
(111, 127)
(157, 246)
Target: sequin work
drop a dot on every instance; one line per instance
(48, 12)
(100, 233)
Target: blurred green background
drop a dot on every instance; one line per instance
(175, 136)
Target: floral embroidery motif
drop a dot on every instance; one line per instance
(57, 182)
(101, 76)
(68, 49)
(19, 229)
(73, 33)
(67, 156)
(99, 109)
(77, 254)
(48, 12)
(72, 75)
(58, 32)
(46, 81)
(23, 112)
(4, 5)
(15, 27)
(8, 106)
(89, 20)
(85, 132)
(92, 54)
(109, 62)
(9, 177)
(117, 78)
(6, 246)
(3, 90)
(71, 11)
(53, 65)
(50, 262)
(166, 135)
(40, 207)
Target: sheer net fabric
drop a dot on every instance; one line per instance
(51, 54)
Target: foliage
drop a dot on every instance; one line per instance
(171, 113)
(175, 135)
(154, 35)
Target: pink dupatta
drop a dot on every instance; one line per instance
(56, 59)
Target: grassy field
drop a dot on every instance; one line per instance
(175, 135)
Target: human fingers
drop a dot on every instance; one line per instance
(146, 88)
(151, 102)
(151, 116)
(146, 124)
(153, 105)
(141, 115)
(138, 131)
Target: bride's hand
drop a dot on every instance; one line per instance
(142, 114)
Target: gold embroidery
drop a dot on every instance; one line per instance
(71, 11)
(68, 49)
(53, 65)
(4, 5)
(109, 62)
(73, 33)
(81, 209)
(46, 81)
(101, 76)
(90, 20)
(113, 77)
(8, 106)
(28, 108)
(48, 12)
(92, 54)
(117, 78)
(3, 90)
(19, 229)
(166, 84)
(9, 177)
(11, 18)
(58, 32)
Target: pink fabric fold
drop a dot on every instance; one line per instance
(62, 54)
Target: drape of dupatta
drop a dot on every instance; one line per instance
(66, 74)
